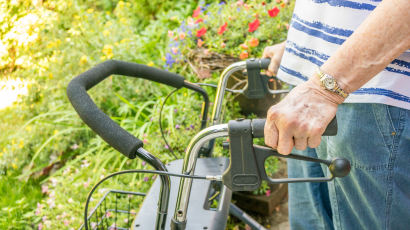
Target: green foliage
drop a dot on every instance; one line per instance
(68, 38)
(51, 158)
(235, 28)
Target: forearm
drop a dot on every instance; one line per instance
(382, 37)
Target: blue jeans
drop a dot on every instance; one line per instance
(376, 193)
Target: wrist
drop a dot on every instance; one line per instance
(336, 73)
(314, 83)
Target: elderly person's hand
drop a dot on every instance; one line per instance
(301, 118)
(275, 54)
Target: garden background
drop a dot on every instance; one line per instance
(49, 159)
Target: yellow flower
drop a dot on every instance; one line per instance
(55, 132)
(123, 20)
(150, 63)
(120, 4)
(123, 40)
(90, 10)
(83, 60)
(50, 45)
(28, 128)
(50, 75)
(21, 145)
(107, 50)
(108, 24)
(14, 165)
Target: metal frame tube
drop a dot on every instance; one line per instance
(165, 189)
(191, 155)
(220, 92)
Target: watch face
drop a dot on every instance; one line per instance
(329, 83)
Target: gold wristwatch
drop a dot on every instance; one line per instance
(329, 83)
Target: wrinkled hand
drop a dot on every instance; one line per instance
(275, 54)
(301, 118)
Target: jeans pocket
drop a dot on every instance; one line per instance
(364, 136)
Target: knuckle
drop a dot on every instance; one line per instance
(316, 131)
(272, 112)
(291, 123)
(303, 128)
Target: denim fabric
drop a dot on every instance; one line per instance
(376, 193)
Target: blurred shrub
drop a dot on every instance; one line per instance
(50, 157)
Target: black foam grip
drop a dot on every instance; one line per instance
(265, 63)
(98, 121)
(258, 126)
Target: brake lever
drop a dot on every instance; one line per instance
(247, 162)
(338, 167)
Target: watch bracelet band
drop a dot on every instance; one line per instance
(338, 90)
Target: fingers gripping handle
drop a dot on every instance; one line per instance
(258, 126)
(246, 170)
(98, 121)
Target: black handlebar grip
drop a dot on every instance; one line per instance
(258, 126)
(98, 121)
(257, 64)
(265, 63)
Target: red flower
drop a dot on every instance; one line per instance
(222, 29)
(201, 32)
(253, 25)
(273, 12)
(196, 13)
(199, 20)
(243, 55)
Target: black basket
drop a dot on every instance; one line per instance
(114, 211)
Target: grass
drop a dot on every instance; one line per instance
(48, 158)
(17, 202)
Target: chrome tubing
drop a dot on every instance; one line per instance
(220, 91)
(165, 188)
(191, 155)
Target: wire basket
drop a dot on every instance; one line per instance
(114, 211)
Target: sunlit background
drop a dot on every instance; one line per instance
(10, 90)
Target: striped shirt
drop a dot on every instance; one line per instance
(318, 28)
